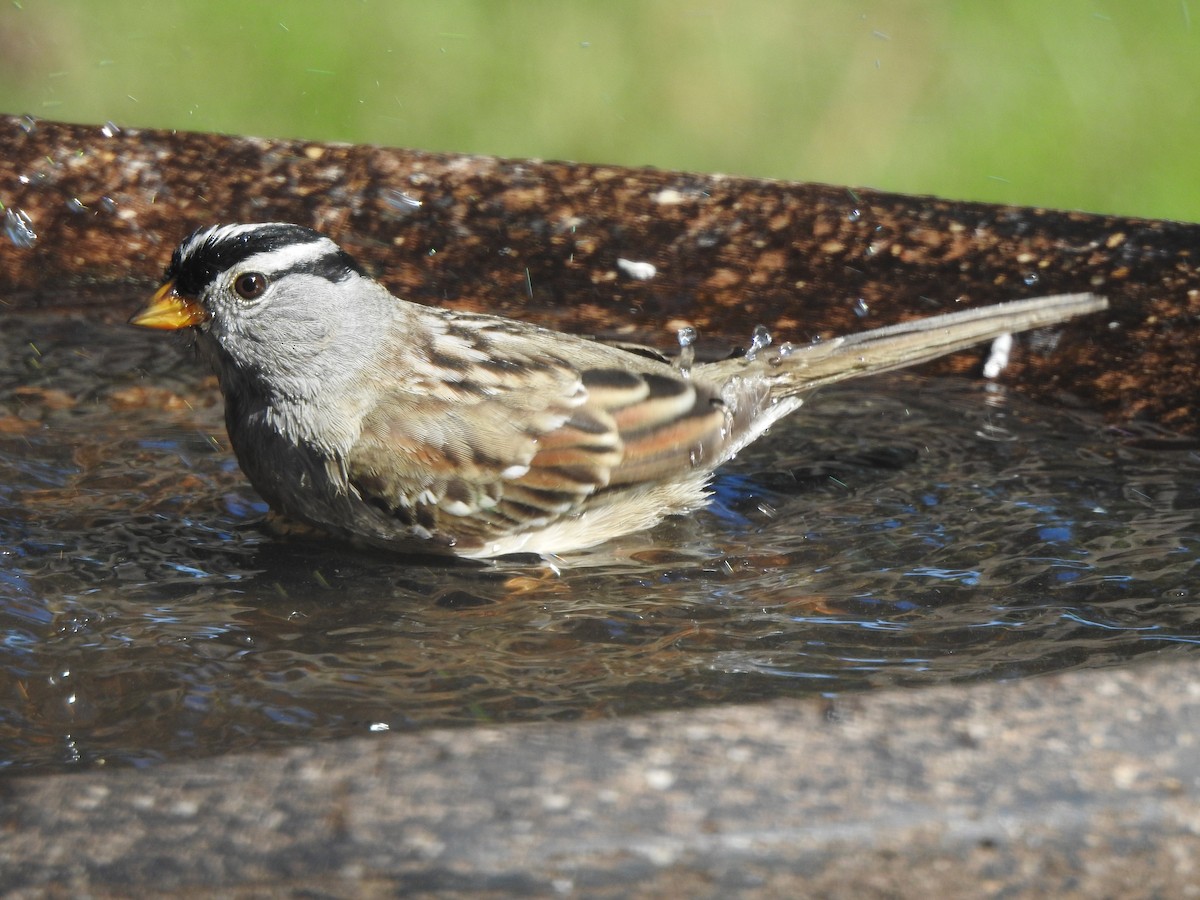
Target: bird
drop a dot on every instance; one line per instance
(426, 430)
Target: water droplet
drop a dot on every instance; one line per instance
(997, 359)
(637, 269)
(108, 204)
(854, 215)
(861, 309)
(1031, 278)
(687, 349)
(786, 349)
(760, 339)
(28, 124)
(109, 129)
(19, 228)
(75, 205)
(401, 201)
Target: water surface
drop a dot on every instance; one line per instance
(899, 531)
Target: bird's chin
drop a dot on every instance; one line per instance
(201, 341)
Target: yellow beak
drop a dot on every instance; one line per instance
(168, 311)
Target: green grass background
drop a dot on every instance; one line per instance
(1087, 104)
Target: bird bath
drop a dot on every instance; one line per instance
(915, 530)
(899, 531)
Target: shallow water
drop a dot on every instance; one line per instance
(899, 531)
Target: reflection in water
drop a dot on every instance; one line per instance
(899, 532)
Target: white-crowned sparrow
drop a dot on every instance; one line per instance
(425, 429)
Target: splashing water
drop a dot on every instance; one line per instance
(760, 339)
(687, 337)
(19, 228)
(401, 202)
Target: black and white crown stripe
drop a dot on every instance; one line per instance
(275, 249)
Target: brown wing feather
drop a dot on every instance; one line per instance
(506, 450)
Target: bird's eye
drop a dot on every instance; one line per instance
(250, 285)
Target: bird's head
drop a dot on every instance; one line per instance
(275, 302)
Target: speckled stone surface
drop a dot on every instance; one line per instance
(1079, 785)
(545, 241)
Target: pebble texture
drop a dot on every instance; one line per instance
(1079, 785)
(567, 245)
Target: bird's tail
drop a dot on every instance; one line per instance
(794, 369)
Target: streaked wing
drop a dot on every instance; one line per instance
(532, 446)
(666, 423)
(452, 464)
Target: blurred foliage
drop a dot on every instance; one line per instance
(1075, 104)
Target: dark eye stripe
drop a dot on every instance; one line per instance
(336, 265)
